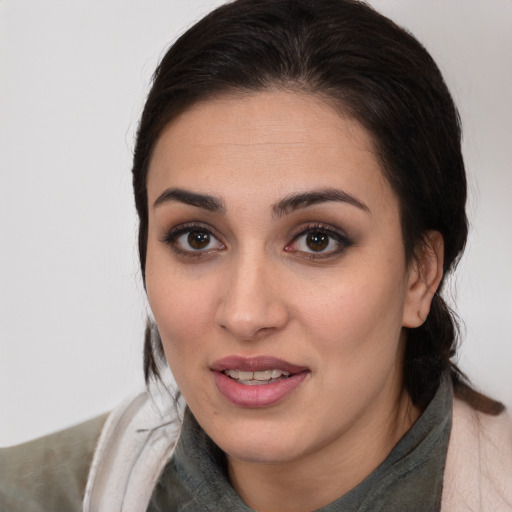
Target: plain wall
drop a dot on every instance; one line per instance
(73, 77)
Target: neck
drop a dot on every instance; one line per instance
(321, 477)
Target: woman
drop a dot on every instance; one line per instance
(301, 191)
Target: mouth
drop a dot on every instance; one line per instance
(258, 378)
(257, 381)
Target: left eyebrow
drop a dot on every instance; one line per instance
(303, 200)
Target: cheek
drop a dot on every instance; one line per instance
(356, 337)
(181, 315)
(357, 318)
(182, 307)
(183, 321)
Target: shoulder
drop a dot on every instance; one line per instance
(49, 473)
(478, 474)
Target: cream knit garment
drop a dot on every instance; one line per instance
(130, 457)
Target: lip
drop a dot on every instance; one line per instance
(255, 364)
(263, 395)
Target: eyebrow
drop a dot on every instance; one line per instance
(283, 207)
(303, 200)
(207, 202)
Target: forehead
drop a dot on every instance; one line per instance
(265, 143)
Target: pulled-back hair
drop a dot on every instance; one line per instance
(368, 68)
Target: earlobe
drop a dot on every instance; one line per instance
(425, 274)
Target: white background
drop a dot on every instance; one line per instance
(73, 77)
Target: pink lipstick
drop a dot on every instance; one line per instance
(257, 381)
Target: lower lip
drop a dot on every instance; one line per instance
(262, 395)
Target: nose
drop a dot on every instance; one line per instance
(252, 303)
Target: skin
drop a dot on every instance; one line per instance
(259, 289)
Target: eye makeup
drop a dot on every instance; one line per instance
(310, 241)
(193, 240)
(316, 241)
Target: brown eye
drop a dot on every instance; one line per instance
(198, 240)
(193, 241)
(317, 241)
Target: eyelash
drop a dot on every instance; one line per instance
(339, 237)
(172, 237)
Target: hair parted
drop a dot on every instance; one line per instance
(368, 68)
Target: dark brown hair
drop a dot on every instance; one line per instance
(370, 69)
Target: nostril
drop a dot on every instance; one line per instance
(257, 323)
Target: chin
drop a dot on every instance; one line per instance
(261, 451)
(257, 441)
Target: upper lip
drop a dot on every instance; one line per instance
(255, 364)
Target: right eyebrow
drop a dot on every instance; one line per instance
(207, 202)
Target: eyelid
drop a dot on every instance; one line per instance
(339, 236)
(336, 234)
(172, 235)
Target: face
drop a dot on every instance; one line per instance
(276, 274)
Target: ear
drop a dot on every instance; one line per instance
(425, 274)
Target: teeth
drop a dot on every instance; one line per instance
(234, 374)
(265, 375)
(255, 378)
